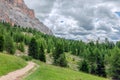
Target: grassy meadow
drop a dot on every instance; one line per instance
(10, 63)
(49, 72)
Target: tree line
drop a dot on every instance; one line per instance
(98, 58)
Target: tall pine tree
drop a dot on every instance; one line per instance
(1, 43)
(59, 56)
(114, 67)
(33, 48)
(9, 44)
(41, 54)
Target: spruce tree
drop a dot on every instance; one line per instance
(33, 48)
(57, 52)
(100, 69)
(114, 68)
(62, 60)
(99, 61)
(41, 54)
(1, 43)
(83, 66)
(9, 44)
(59, 56)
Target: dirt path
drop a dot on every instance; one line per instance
(16, 75)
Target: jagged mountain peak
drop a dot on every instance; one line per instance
(16, 12)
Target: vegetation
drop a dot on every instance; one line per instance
(9, 45)
(21, 47)
(41, 54)
(36, 51)
(99, 58)
(49, 72)
(33, 48)
(83, 66)
(1, 43)
(26, 58)
(10, 63)
(114, 64)
(59, 56)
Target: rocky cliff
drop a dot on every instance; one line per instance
(16, 12)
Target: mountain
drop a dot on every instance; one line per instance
(16, 12)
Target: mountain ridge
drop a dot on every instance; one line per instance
(17, 13)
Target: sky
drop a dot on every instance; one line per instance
(79, 19)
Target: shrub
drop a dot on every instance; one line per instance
(27, 58)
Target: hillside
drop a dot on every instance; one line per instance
(17, 13)
(10, 63)
(49, 72)
(101, 59)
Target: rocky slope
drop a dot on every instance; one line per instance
(16, 12)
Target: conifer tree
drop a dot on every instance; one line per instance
(1, 43)
(114, 67)
(59, 56)
(62, 60)
(9, 44)
(41, 54)
(33, 48)
(83, 66)
(100, 69)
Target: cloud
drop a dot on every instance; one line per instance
(80, 19)
(42, 7)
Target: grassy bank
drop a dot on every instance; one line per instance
(10, 63)
(49, 72)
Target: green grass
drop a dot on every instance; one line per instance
(49, 72)
(10, 63)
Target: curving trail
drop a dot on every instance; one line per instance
(16, 75)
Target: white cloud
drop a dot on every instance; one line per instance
(79, 19)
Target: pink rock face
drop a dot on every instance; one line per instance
(28, 11)
(16, 12)
(23, 7)
(20, 1)
(15, 2)
(31, 13)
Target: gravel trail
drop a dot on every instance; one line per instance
(16, 75)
